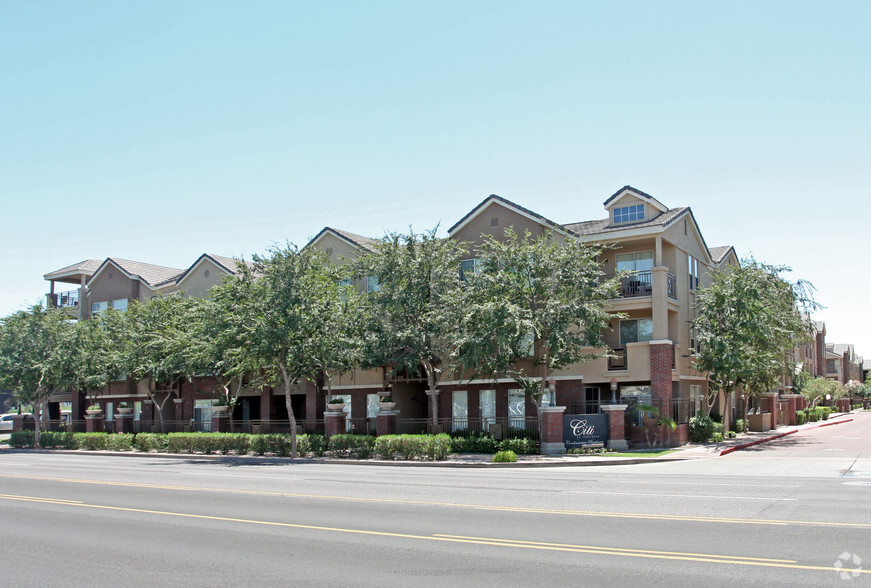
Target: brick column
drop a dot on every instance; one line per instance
(791, 407)
(616, 426)
(123, 423)
(94, 423)
(661, 355)
(18, 423)
(385, 423)
(552, 442)
(334, 423)
(221, 422)
(768, 403)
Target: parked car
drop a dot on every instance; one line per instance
(6, 422)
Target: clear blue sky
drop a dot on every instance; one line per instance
(157, 131)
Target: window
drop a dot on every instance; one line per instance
(468, 267)
(636, 330)
(640, 261)
(695, 399)
(592, 399)
(372, 284)
(633, 396)
(693, 269)
(487, 406)
(516, 409)
(527, 345)
(98, 307)
(627, 214)
(120, 304)
(345, 282)
(460, 410)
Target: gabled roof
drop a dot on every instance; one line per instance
(511, 206)
(228, 264)
(358, 241)
(718, 254)
(629, 190)
(150, 274)
(603, 226)
(820, 327)
(86, 267)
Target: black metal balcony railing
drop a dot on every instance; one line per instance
(66, 299)
(618, 360)
(638, 284)
(671, 286)
(641, 284)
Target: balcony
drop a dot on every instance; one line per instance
(65, 299)
(641, 284)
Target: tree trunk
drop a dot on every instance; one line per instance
(288, 382)
(727, 411)
(432, 383)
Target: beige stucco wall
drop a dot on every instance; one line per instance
(202, 278)
(481, 224)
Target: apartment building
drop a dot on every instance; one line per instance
(651, 347)
(650, 344)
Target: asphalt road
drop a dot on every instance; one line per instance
(778, 514)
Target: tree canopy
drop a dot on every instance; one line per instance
(536, 305)
(750, 319)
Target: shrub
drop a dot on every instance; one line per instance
(361, 446)
(521, 446)
(701, 429)
(738, 425)
(474, 444)
(120, 442)
(813, 416)
(310, 444)
(408, 447)
(150, 442)
(504, 457)
(731, 434)
(57, 440)
(800, 417)
(717, 437)
(91, 441)
(22, 440)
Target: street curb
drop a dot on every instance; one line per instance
(257, 460)
(729, 450)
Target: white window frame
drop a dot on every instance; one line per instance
(628, 214)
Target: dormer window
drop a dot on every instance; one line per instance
(626, 214)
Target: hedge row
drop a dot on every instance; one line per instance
(407, 447)
(487, 444)
(812, 415)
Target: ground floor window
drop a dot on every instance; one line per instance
(203, 415)
(347, 410)
(695, 399)
(633, 397)
(460, 410)
(516, 409)
(487, 406)
(592, 399)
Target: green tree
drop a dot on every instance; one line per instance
(537, 305)
(416, 304)
(91, 358)
(818, 390)
(296, 317)
(156, 338)
(750, 319)
(32, 356)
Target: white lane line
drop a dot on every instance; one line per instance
(678, 495)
